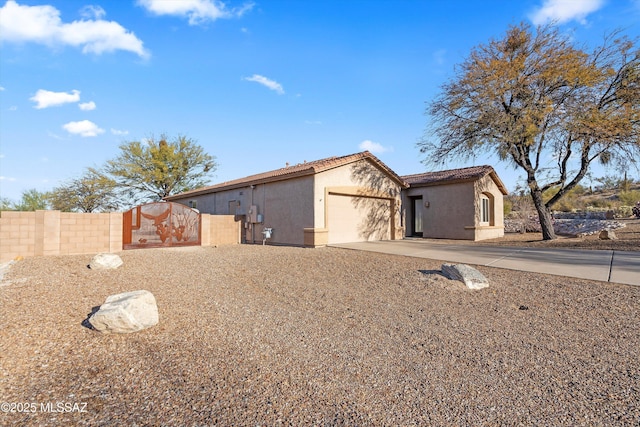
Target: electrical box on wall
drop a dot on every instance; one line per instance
(253, 214)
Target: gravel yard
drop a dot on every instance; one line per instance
(253, 335)
(628, 239)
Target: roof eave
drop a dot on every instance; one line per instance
(234, 186)
(492, 173)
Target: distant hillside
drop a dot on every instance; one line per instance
(582, 198)
(611, 198)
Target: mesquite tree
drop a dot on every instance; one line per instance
(152, 170)
(92, 192)
(544, 104)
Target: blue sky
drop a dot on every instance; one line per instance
(256, 83)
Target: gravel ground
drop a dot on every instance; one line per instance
(253, 335)
(628, 239)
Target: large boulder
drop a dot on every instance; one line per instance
(471, 277)
(105, 261)
(125, 313)
(607, 235)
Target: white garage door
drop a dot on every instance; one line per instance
(358, 219)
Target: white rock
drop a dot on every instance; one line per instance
(471, 277)
(126, 312)
(105, 261)
(607, 235)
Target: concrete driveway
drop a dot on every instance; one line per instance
(603, 265)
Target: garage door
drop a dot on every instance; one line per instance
(358, 219)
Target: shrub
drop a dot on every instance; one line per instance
(629, 198)
(624, 211)
(507, 207)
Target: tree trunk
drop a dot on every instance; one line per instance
(546, 222)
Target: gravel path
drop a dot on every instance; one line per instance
(253, 335)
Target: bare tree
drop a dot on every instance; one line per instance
(547, 106)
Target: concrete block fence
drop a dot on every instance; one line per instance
(41, 233)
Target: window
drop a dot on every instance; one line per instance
(485, 213)
(193, 204)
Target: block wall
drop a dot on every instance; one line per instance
(17, 235)
(64, 233)
(84, 233)
(223, 230)
(58, 233)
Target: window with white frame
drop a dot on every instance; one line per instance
(485, 209)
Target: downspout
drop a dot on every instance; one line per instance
(251, 224)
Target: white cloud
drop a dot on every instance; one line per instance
(271, 84)
(374, 147)
(13, 108)
(45, 98)
(83, 128)
(87, 106)
(42, 24)
(1, 88)
(198, 11)
(119, 132)
(92, 11)
(7, 178)
(561, 11)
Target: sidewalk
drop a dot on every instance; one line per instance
(602, 265)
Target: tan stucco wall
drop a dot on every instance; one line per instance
(285, 206)
(450, 210)
(360, 192)
(496, 228)
(296, 208)
(453, 210)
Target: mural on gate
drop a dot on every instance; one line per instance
(161, 224)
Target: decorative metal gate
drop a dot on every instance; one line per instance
(160, 224)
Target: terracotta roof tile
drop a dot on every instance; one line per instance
(453, 175)
(300, 169)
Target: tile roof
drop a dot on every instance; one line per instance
(450, 176)
(294, 171)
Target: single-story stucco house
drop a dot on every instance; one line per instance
(355, 198)
(464, 204)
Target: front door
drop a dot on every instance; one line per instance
(416, 214)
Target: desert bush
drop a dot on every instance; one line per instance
(602, 203)
(624, 211)
(507, 206)
(629, 198)
(570, 201)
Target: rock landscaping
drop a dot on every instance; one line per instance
(468, 275)
(267, 335)
(567, 227)
(607, 235)
(125, 313)
(105, 261)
